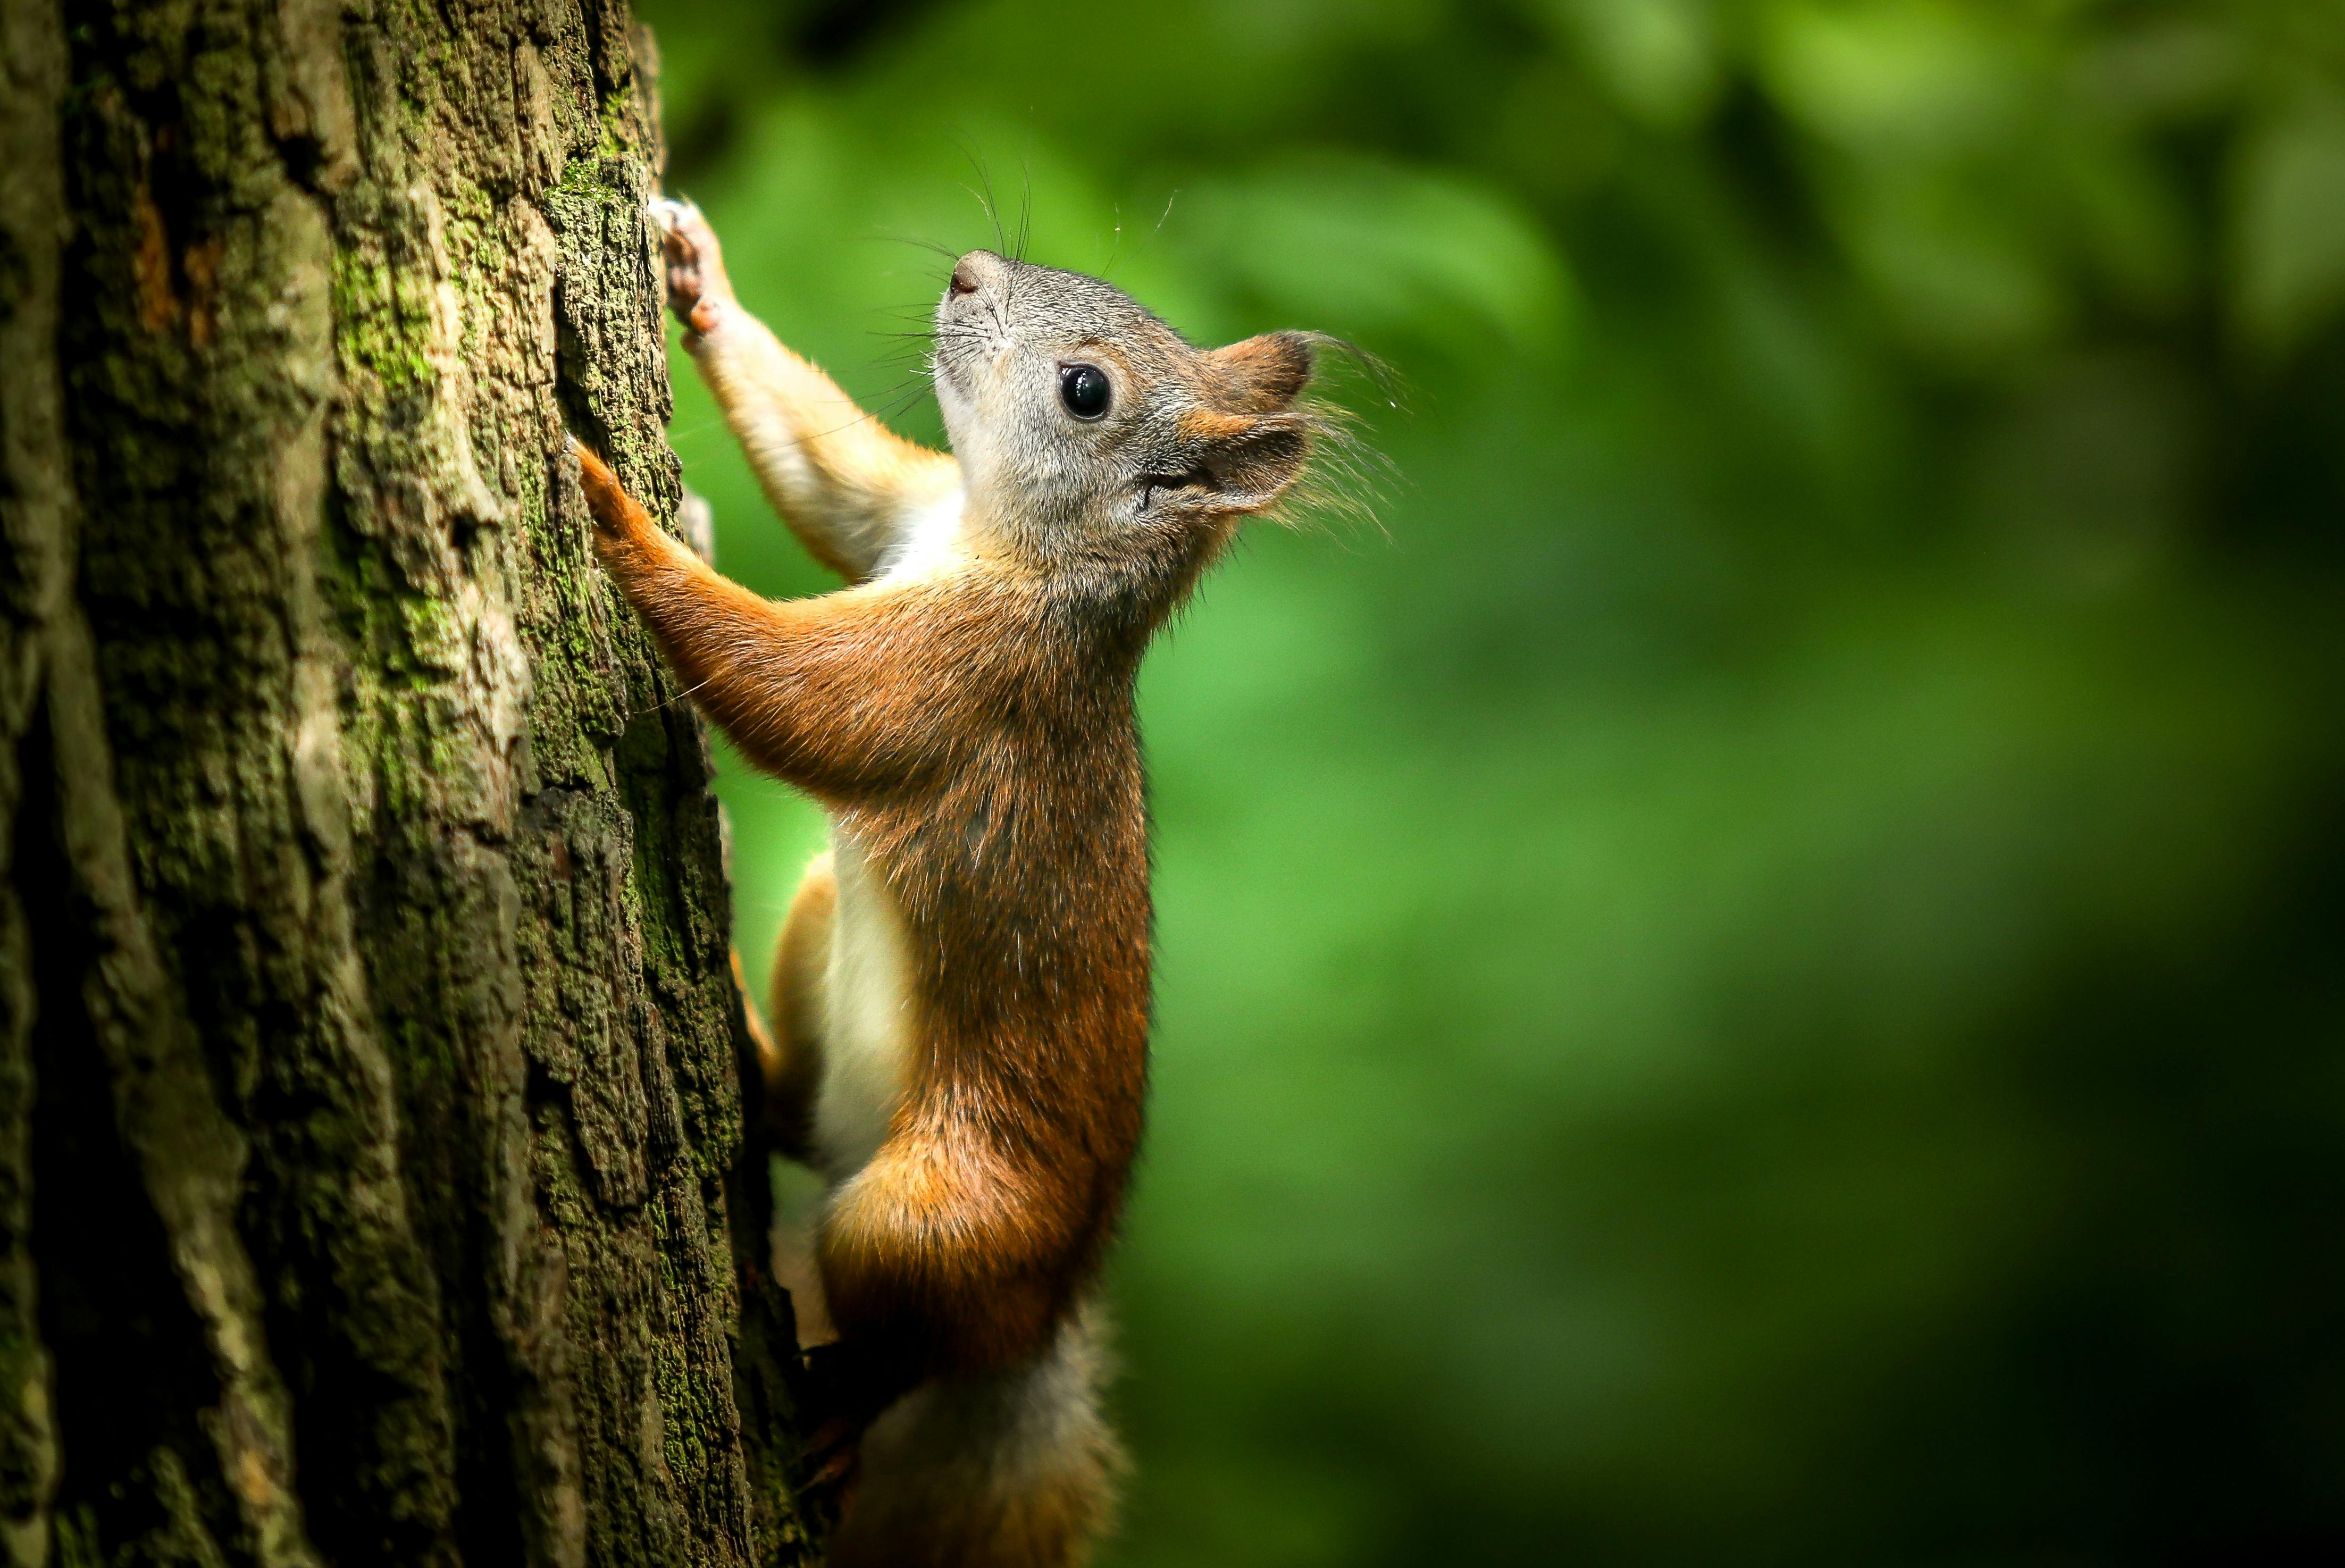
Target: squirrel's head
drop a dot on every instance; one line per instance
(1092, 436)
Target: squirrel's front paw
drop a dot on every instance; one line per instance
(696, 288)
(607, 501)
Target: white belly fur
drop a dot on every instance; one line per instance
(867, 1047)
(928, 540)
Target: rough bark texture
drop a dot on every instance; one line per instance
(372, 1186)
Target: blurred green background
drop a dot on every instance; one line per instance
(1755, 975)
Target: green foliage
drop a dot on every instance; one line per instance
(1754, 976)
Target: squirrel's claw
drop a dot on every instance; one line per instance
(846, 1390)
(833, 1462)
(833, 1452)
(697, 286)
(616, 512)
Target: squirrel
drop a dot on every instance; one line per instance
(957, 1036)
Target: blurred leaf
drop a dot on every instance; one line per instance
(1377, 252)
(2289, 223)
(2167, 68)
(1660, 58)
(1895, 78)
(1961, 274)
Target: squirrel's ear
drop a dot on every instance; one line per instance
(1261, 375)
(1246, 462)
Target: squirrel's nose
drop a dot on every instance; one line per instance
(974, 271)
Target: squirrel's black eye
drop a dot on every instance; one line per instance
(1084, 390)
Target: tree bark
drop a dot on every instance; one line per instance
(373, 1186)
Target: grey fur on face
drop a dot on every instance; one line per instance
(1189, 441)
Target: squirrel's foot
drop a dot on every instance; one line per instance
(697, 291)
(831, 1463)
(834, 1456)
(846, 1390)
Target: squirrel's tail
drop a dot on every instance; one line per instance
(1012, 1470)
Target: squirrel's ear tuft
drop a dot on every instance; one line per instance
(1261, 375)
(1244, 463)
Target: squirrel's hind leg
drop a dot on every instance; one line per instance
(1014, 1469)
(790, 1055)
(791, 1050)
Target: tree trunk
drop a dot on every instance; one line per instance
(373, 1186)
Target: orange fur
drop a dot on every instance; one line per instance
(1005, 808)
(839, 478)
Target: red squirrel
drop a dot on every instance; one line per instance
(958, 1018)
